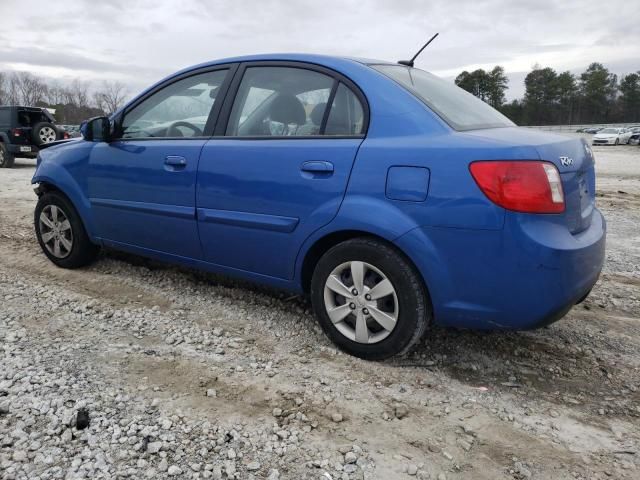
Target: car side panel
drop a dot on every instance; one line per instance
(137, 198)
(237, 273)
(65, 169)
(256, 205)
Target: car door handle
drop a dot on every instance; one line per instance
(175, 161)
(317, 166)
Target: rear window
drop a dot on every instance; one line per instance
(457, 107)
(29, 117)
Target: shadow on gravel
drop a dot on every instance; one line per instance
(293, 302)
(564, 362)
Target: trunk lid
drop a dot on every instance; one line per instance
(573, 158)
(575, 161)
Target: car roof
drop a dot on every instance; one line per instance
(294, 57)
(373, 84)
(24, 107)
(344, 65)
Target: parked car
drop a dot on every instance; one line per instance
(23, 130)
(626, 134)
(72, 130)
(611, 136)
(634, 139)
(394, 199)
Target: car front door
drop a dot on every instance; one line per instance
(278, 166)
(142, 184)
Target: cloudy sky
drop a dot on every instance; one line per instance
(139, 42)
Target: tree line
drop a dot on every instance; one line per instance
(73, 102)
(552, 98)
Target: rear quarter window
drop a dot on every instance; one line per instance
(5, 116)
(457, 107)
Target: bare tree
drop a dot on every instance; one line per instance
(67, 96)
(98, 101)
(32, 90)
(13, 91)
(79, 93)
(55, 94)
(3, 86)
(111, 97)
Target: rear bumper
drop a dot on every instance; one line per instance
(526, 276)
(17, 150)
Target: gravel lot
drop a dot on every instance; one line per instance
(135, 369)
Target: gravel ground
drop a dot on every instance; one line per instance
(135, 369)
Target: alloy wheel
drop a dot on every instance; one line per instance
(47, 134)
(55, 231)
(361, 302)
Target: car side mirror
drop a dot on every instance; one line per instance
(96, 129)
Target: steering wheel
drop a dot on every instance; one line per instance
(173, 130)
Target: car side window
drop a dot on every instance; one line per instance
(347, 115)
(280, 101)
(180, 109)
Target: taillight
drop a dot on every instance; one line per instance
(16, 132)
(522, 186)
(65, 135)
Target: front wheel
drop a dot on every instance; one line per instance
(369, 299)
(60, 232)
(617, 141)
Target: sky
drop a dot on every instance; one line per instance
(140, 42)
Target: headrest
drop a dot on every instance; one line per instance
(287, 109)
(317, 113)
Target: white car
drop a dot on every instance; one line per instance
(612, 136)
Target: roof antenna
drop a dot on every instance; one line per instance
(409, 63)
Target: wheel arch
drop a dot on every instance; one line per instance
(329, 240)
(358, 216)
(68, 188)
(320, 247)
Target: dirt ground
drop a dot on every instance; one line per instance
(186, 375)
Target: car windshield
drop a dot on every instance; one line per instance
(609, 130)
(457, 107)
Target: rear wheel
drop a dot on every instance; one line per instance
(60, 232)
(369, 299)
(6, 158)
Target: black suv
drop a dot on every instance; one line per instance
(23, 130)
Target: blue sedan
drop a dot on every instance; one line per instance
(392, 198)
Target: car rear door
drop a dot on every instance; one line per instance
(278, 166)
(142, 184)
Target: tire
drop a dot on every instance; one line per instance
(617, 141)
(409, 303)
(44, 132)
(7, 159)
(76, 250)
